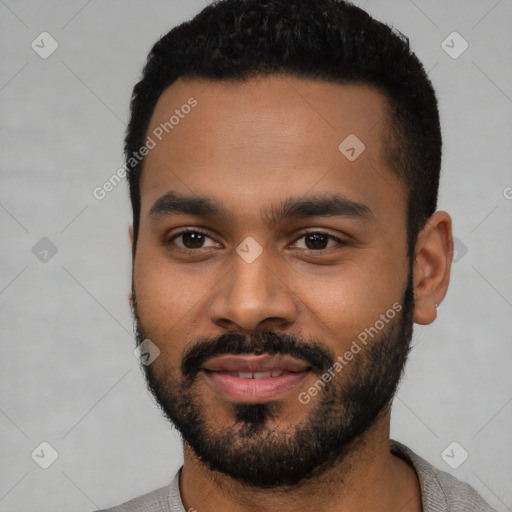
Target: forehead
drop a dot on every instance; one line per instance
(268, 136)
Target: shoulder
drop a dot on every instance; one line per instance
(165, 499)
(441, 491)
(460, 496)
(155, 501)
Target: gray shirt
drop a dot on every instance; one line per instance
(440, 491)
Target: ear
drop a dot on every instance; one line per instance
(130, 233)
(432, 265)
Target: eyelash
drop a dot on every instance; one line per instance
(302, 235)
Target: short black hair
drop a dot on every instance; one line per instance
(330, 40)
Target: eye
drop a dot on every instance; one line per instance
(318, 240)
(191, 239)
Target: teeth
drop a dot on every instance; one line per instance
(261, 375)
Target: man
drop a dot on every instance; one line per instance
(283, 160)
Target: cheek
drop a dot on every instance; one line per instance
(348, 298)
(160, 290)
(171, 298)
(337, 300)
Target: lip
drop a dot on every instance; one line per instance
(223, 374)
(253, 363)
(253, 391)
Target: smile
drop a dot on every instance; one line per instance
(254, 379)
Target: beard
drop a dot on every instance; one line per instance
(253, 449)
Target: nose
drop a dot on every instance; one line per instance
(253, 296)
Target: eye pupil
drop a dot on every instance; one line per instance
(194, 243)
(317, 237)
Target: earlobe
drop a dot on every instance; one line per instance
(432, 265)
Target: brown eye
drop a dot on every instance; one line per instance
(191, 239)
(318, 240)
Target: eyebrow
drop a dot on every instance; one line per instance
(333, 205)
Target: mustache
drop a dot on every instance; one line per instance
(313, 352)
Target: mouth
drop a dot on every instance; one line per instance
(254, 379)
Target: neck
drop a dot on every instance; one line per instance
(369, 478)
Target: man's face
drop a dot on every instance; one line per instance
(304, 256)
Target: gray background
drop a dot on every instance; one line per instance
(68, 375)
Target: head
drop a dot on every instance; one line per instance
(298, 145)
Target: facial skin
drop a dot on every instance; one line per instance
(249, 147)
